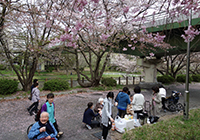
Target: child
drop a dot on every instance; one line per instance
(49, 107)
(129, 109)
(35, 99)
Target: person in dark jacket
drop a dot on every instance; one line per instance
(123, 100)
(89, 115)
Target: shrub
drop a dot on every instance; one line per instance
(182, 78)
(165, 79)
(8, 86)
(196, 78)
(109, 82)
(49, 69)
(56, 85)
(2, 67)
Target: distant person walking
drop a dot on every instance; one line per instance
(123, 100)
(34, 81)
(35, 99)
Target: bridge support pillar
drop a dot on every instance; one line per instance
(150, 71)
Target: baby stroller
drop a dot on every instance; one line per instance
(172, 102)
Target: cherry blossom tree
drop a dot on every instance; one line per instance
(176, 64)
(24, 34)
(95, 27)
(124, 63)
(88, 28)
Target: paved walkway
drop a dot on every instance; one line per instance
(69, 111)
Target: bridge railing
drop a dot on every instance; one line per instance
(163, 18)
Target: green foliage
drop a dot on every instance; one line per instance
(182, 78)
(196, 78)
(173, 128)
(2, 67)
(8, 86)
(49, 69)
(56, 85)
(165, 79)
(109, 82)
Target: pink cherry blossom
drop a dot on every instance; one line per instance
(126, 9)
(151, 54)
(124, 49)
(130, 45)
(132, 48)
(159, 37)
(104, 37)
(78, 26)
(95, 1)
(144, 29)
(48, 23)
(190, 33)
(142, 39)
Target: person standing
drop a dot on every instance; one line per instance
(138, 101)
(162, 92)
(49, 107)
(107, 115)
(123, 100)
(156, 101)
(34, 81)
(35, 99)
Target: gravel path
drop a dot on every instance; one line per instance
(69, 111)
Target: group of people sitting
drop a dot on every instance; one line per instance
(126, 103)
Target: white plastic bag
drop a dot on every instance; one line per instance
(120, 125)
(137, 123)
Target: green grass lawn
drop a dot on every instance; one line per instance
(171, 129)
(42, 76)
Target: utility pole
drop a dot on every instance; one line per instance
(186, 96)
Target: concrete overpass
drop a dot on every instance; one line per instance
(173, 29)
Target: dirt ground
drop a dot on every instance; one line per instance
(69, 112)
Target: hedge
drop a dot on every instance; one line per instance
(182, 78)
(109, 82)
(165, 79)
(56, 85)
(8, 86)
(196, 78)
